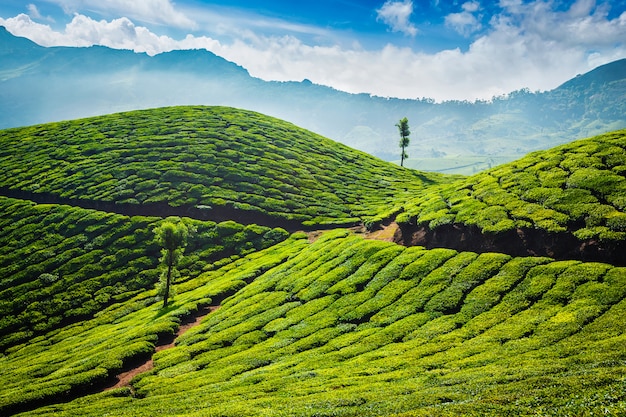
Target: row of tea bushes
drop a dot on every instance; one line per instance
(82, 357)
(377, 329)
(210, 157)
(60, 264)
(579, 188)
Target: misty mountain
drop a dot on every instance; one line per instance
(39, 84)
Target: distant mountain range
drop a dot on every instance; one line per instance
(39, 84)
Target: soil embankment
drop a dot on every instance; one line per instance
(518, 242)
(163, 209)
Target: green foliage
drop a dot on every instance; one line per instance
(383, 330)
(171, 235)
(336, 326)
(576, 188)
(209, 158)
(76, 358)
(60, 264)
(405, 132)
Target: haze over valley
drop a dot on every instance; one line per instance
(60, 83)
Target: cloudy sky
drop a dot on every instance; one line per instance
(439, 49)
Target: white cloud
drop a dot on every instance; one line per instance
(465, 22)
(149, 11)
(119, 33)
(528, 45)
(396, 15)
(33, 11)
(471, 6)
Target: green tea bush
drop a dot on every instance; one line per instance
(572, 188)
(478, 271)
(422, 333)
(206, 157)
(61, 275)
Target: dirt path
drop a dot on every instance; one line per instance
(385, 233)
(124, 378)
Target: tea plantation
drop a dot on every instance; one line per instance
(330, 323)
(206, 158)
(578, 188)
(60, 264)
(348, 326)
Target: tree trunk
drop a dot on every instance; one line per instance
(168, 278)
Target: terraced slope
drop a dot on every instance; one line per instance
(62, 264)
(347, 327)
(339, 326)
(214, 163)
(85, 357)
(568, 202)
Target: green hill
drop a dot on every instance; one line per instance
(568, 202)
(347, 326)
(329, 323)
(61, 264)
(42, 84)
(222, 162)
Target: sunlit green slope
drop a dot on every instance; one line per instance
(62, 264)
(207, 158)
(341, 326)
(579, 188)
(81, 357)
(352, 327)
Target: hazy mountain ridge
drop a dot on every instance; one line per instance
(49, 84)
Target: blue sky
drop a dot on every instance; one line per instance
(466, 49)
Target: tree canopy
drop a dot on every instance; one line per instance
(405, 132)
(172, 237)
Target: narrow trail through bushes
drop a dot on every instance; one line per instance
(386, 232)
(123, 379)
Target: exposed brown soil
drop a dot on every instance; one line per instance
(162, 209)
(518, 242)
(123, 379)
(386, 233)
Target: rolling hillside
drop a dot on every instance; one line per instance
(319, 323)
(567, 202)
(214, 162)
(62, 264)
(347, 326)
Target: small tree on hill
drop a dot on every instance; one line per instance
(403, 128)
(173, 238)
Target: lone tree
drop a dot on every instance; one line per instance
(403, 127)
(173, 238)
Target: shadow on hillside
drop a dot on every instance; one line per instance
(518, 242)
